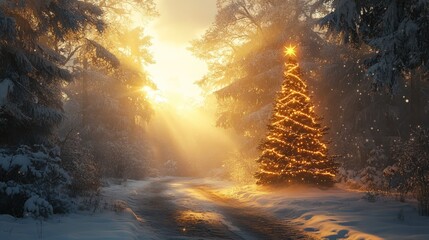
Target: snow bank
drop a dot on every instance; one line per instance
(337, 213)
(118, 221)
(107, 225)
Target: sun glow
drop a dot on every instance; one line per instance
(153, 95)
(176, 69)
(181, 130)
(175, 74)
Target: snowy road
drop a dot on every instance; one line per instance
(190, 210)
(184, 208)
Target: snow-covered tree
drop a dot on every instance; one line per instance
(294, 150)
(32, 39)
(32, 181)
(390, 44)
(78, 160)
(32, 64)
(108, 94)
(412, 167)
(371, 176)
(397, 31)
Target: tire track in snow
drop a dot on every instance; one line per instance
(172, 221)
(252, 221)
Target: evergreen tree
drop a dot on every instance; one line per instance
(411, 171)
(32, 70)
(107, 100)
(294, 150)
(32, 64)
(397, 31)
(391, 39)
(249, 33)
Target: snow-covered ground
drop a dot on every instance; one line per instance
(111, 220)
(107, 225)
(326, 214)
(337, 213)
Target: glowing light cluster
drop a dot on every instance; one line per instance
(294, 150)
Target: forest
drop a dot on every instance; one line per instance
(78, 105)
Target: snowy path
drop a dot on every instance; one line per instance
(204, 208)
(188, 210)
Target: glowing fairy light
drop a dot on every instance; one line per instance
(294, 150)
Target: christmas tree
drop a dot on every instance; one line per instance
(294, 150)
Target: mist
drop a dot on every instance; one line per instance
(182, 20)
(186, 142)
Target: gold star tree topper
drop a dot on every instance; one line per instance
(290, 51)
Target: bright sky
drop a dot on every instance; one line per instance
(176, 69)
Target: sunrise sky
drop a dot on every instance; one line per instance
(176, 69)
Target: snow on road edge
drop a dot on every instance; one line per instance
(118, 221)
(336, 213)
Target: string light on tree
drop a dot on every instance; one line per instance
(294, 150)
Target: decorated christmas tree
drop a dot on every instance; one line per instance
(294, 150)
